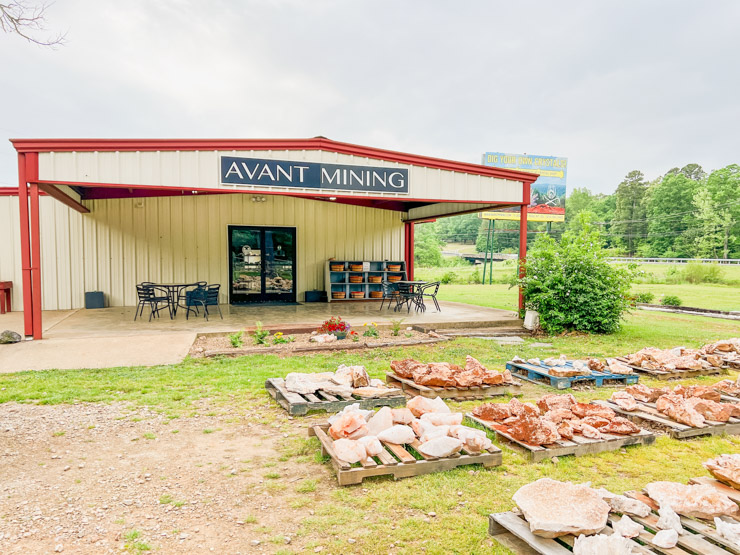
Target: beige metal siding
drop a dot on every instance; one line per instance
(200, 169)
(182, 239)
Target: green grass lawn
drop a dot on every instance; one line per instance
(382, 512)
(716, 297)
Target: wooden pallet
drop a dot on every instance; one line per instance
(413, 389)
(675, 374)
(398, 461)
(298, 405)
(648, 412)
(700, 538)
(578, 446)
(696, 530)
(539, 374)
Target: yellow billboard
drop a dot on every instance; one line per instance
(531, 216)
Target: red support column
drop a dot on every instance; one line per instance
(522, 245)
(32, 174)
(25, 247)
(409, 249)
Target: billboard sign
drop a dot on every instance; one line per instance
(547, 193)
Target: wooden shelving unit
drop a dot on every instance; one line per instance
(338, 280)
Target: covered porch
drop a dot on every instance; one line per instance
(109, 337)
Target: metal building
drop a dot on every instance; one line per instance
(106, 214)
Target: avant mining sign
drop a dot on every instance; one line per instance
(313, 175)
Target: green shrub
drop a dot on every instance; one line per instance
(573, 286)
(696, 272)
(260, 334)
(448, 277)
(236, 339)
(645, 297)
(670, 300)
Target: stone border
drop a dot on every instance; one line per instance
(710, 313)
(320, 348)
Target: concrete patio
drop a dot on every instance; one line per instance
(110, 337)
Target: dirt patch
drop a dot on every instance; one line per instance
(94, 478)
(221, 342)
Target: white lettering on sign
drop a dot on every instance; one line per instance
(400, 182)
(325, 178)
(284, 173)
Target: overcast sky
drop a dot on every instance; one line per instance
(612, 86)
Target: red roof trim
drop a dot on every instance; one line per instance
(322, 194)
(318, 143)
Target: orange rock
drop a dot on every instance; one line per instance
(520, 409)
(347, 425)
(436, 374)
(559, 415)
(534, 430)
(624, 400)
(552, 401)
(495, 412)
(405, 368)
(565, 429)
(620, 426)
(700, 391)
(590, 432)
(677, 408)
(717, 412)
(595, 421)
(582, 410)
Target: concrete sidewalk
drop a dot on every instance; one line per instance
(101, 352)
(109, 337)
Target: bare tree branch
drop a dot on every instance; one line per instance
(24, 19)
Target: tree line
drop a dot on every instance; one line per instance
(685, 213)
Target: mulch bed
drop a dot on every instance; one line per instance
(218, 344)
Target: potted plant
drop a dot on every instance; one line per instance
(335, 326)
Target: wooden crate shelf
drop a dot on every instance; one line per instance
(339, 280)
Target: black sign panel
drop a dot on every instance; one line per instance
(312, 175)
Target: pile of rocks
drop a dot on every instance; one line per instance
(346, 381)
(726, 350)
(670, 360)
(559, 367)
(444, 374)
(555, 417)
(553, 509)
(728, 387)
(692, 405)
(726, 468)
(358, 433)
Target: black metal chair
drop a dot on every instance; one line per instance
(185, 293)
(205, 297)
(430, 290)
(390, 293)
(407, 295)
(150, 294)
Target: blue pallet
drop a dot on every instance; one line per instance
(537, 374)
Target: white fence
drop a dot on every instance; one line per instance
(723, 261)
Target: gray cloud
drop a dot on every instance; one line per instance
(613, 86)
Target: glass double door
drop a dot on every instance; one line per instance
(261, 264)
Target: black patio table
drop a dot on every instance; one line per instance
(173, 292)
(413, 295)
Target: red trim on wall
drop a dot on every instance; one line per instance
(311, 195)
(32, 174)
(22, 192)
(409, 249)
(317, 143)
